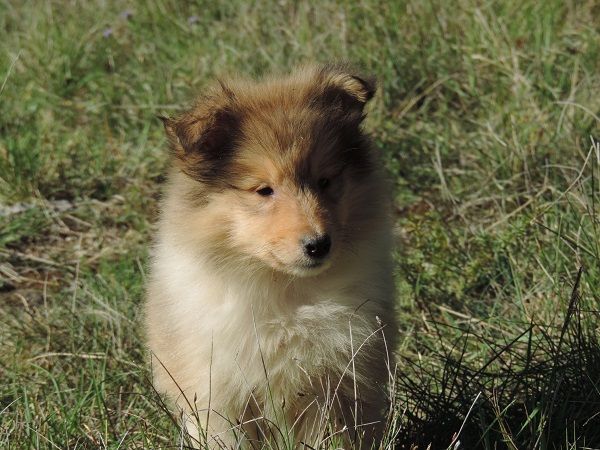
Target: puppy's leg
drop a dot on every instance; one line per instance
(220, 433)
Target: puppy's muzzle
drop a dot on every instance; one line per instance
(316, 247)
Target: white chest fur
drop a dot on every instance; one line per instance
(239, 330)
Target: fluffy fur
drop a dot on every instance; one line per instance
(250, 337)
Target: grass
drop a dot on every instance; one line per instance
(488, 119)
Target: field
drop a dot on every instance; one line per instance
(487, 117)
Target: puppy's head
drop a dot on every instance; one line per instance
(286, 161)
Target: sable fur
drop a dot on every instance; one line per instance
(244, 331)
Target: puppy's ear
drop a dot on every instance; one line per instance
(202, 139)
(204, 134)
(347, 90)
(361, 89)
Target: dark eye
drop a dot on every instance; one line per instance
(265, 192)
(323, 183)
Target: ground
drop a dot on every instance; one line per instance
(487, 116)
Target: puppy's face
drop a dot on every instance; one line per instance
(284, 159)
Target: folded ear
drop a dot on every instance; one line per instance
(202, 139)
(347, 90)
(361, 89)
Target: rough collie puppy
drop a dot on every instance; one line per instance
(269, 313)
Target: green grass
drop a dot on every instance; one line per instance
(488, 119)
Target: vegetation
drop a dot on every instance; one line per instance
(488, 119)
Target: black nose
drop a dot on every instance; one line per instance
(317, 246)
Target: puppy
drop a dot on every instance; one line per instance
(269, 312)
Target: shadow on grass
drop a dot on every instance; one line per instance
(540, 389)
